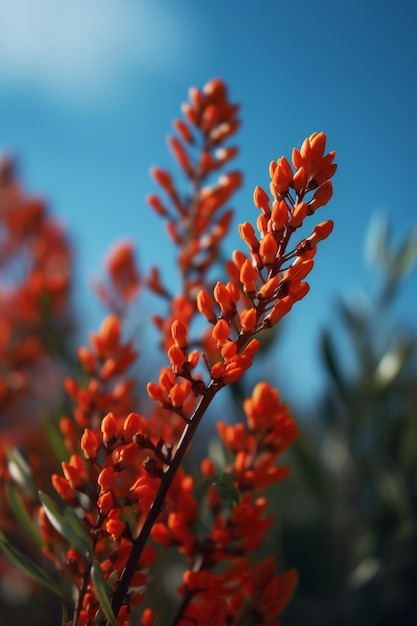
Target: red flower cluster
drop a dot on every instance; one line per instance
(35, 277)
(269, 432)
(123, 483)
(196, 224)
(235, 531)
(123, 280)
(35, 336)
(199, 221)
(267, 283)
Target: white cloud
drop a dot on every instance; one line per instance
(84, 49)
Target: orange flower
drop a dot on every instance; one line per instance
(261, 200)
(74, 474)
(106, 479)
(63, 487)
(89, 444)
(224, 300)
(221, 332)
(115, 527)
(109, 428)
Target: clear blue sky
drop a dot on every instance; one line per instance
(88, 89)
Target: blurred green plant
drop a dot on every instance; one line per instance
(351, 530)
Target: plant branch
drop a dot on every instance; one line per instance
(156, 507)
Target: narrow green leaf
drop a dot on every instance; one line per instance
(67, 524)
(102, 593)
(406, 255)
(356, 314)
(99, 617)
(332, 362)
(217, 453)
(377, 244)
(22, 516)
(53, 513)
(75, 532)
(26, 565)
(111, 581)
(21, 471)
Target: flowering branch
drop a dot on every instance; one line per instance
(123, 483)
(158, 503)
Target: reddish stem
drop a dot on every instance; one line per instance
(156, 507)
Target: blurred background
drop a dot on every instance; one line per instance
(88, 90)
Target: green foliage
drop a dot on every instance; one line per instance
(393, 262)
(365, 441)
(66, 524)
(22, 516)
(103, 593)
(26, 565)
(21, 471)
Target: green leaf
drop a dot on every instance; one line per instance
(227, 489)
(76, 533)
(402, 261)
(356, 314)
(164, 617)
(217, 453)
(406, 255)
(22, 516)
(331, 362)
(26, 565)
(67, 524)
(53, 513)
(21, 471)
(377, 244)
(102, 593)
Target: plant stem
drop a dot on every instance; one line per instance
(154, 511)
(78, 606)
(189, 595)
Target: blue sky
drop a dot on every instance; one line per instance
(88, 89)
